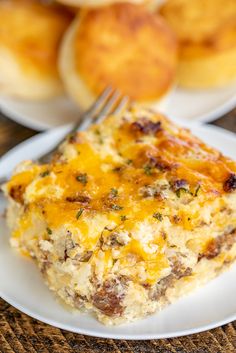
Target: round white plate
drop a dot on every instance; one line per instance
(199, 105)
(40, 115)
(22, 285)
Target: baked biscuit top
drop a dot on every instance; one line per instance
(129, 48)
(32, 31)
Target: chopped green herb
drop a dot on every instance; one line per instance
(113, 192)
(129, 161)
(49, 231)
(147, 169)
(123, 218)
(45, 173)
(116, 207)
(197, 190)
(98, 133)
(79, 213)
(114, 261)
(158, 216)
(178, 192)
(82, 178)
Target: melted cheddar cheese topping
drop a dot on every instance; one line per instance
(126, 192)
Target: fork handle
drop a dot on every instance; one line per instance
(84, 120)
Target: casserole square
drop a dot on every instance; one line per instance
(129, 215)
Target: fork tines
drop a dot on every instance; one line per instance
(109, 102)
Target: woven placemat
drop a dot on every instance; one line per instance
(19, 333)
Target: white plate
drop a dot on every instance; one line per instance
(22, 286)
(40, 115)
(202, 105)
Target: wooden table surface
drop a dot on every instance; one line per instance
(19, 333)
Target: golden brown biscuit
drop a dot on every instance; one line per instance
(206, 30)
(30, 34)
(122, 45)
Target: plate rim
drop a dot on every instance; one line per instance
(95, 332)
(211, 115)
(119, 336)
(218, 112)
(22, 120)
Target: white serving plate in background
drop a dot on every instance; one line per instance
(198, 105)
(40, 115)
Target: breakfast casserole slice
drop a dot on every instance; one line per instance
(129, 215)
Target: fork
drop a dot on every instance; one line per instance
(109, 102)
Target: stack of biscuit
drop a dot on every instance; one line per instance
(140, 47)
(80, 47)
(206, 32)
(122, 45)
(30, 38)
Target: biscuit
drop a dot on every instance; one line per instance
(206, 30)
(122, 45)
(30, 35)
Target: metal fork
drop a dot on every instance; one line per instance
(109, 102)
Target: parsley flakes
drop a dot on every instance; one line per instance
(113, 192)
(123, 218)
(44, 174)
(158, 216)
(147, 169)
(79, 213)
(197, 190)
(178, 192)
(49, 231)
(116, 207)
(82, 178)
